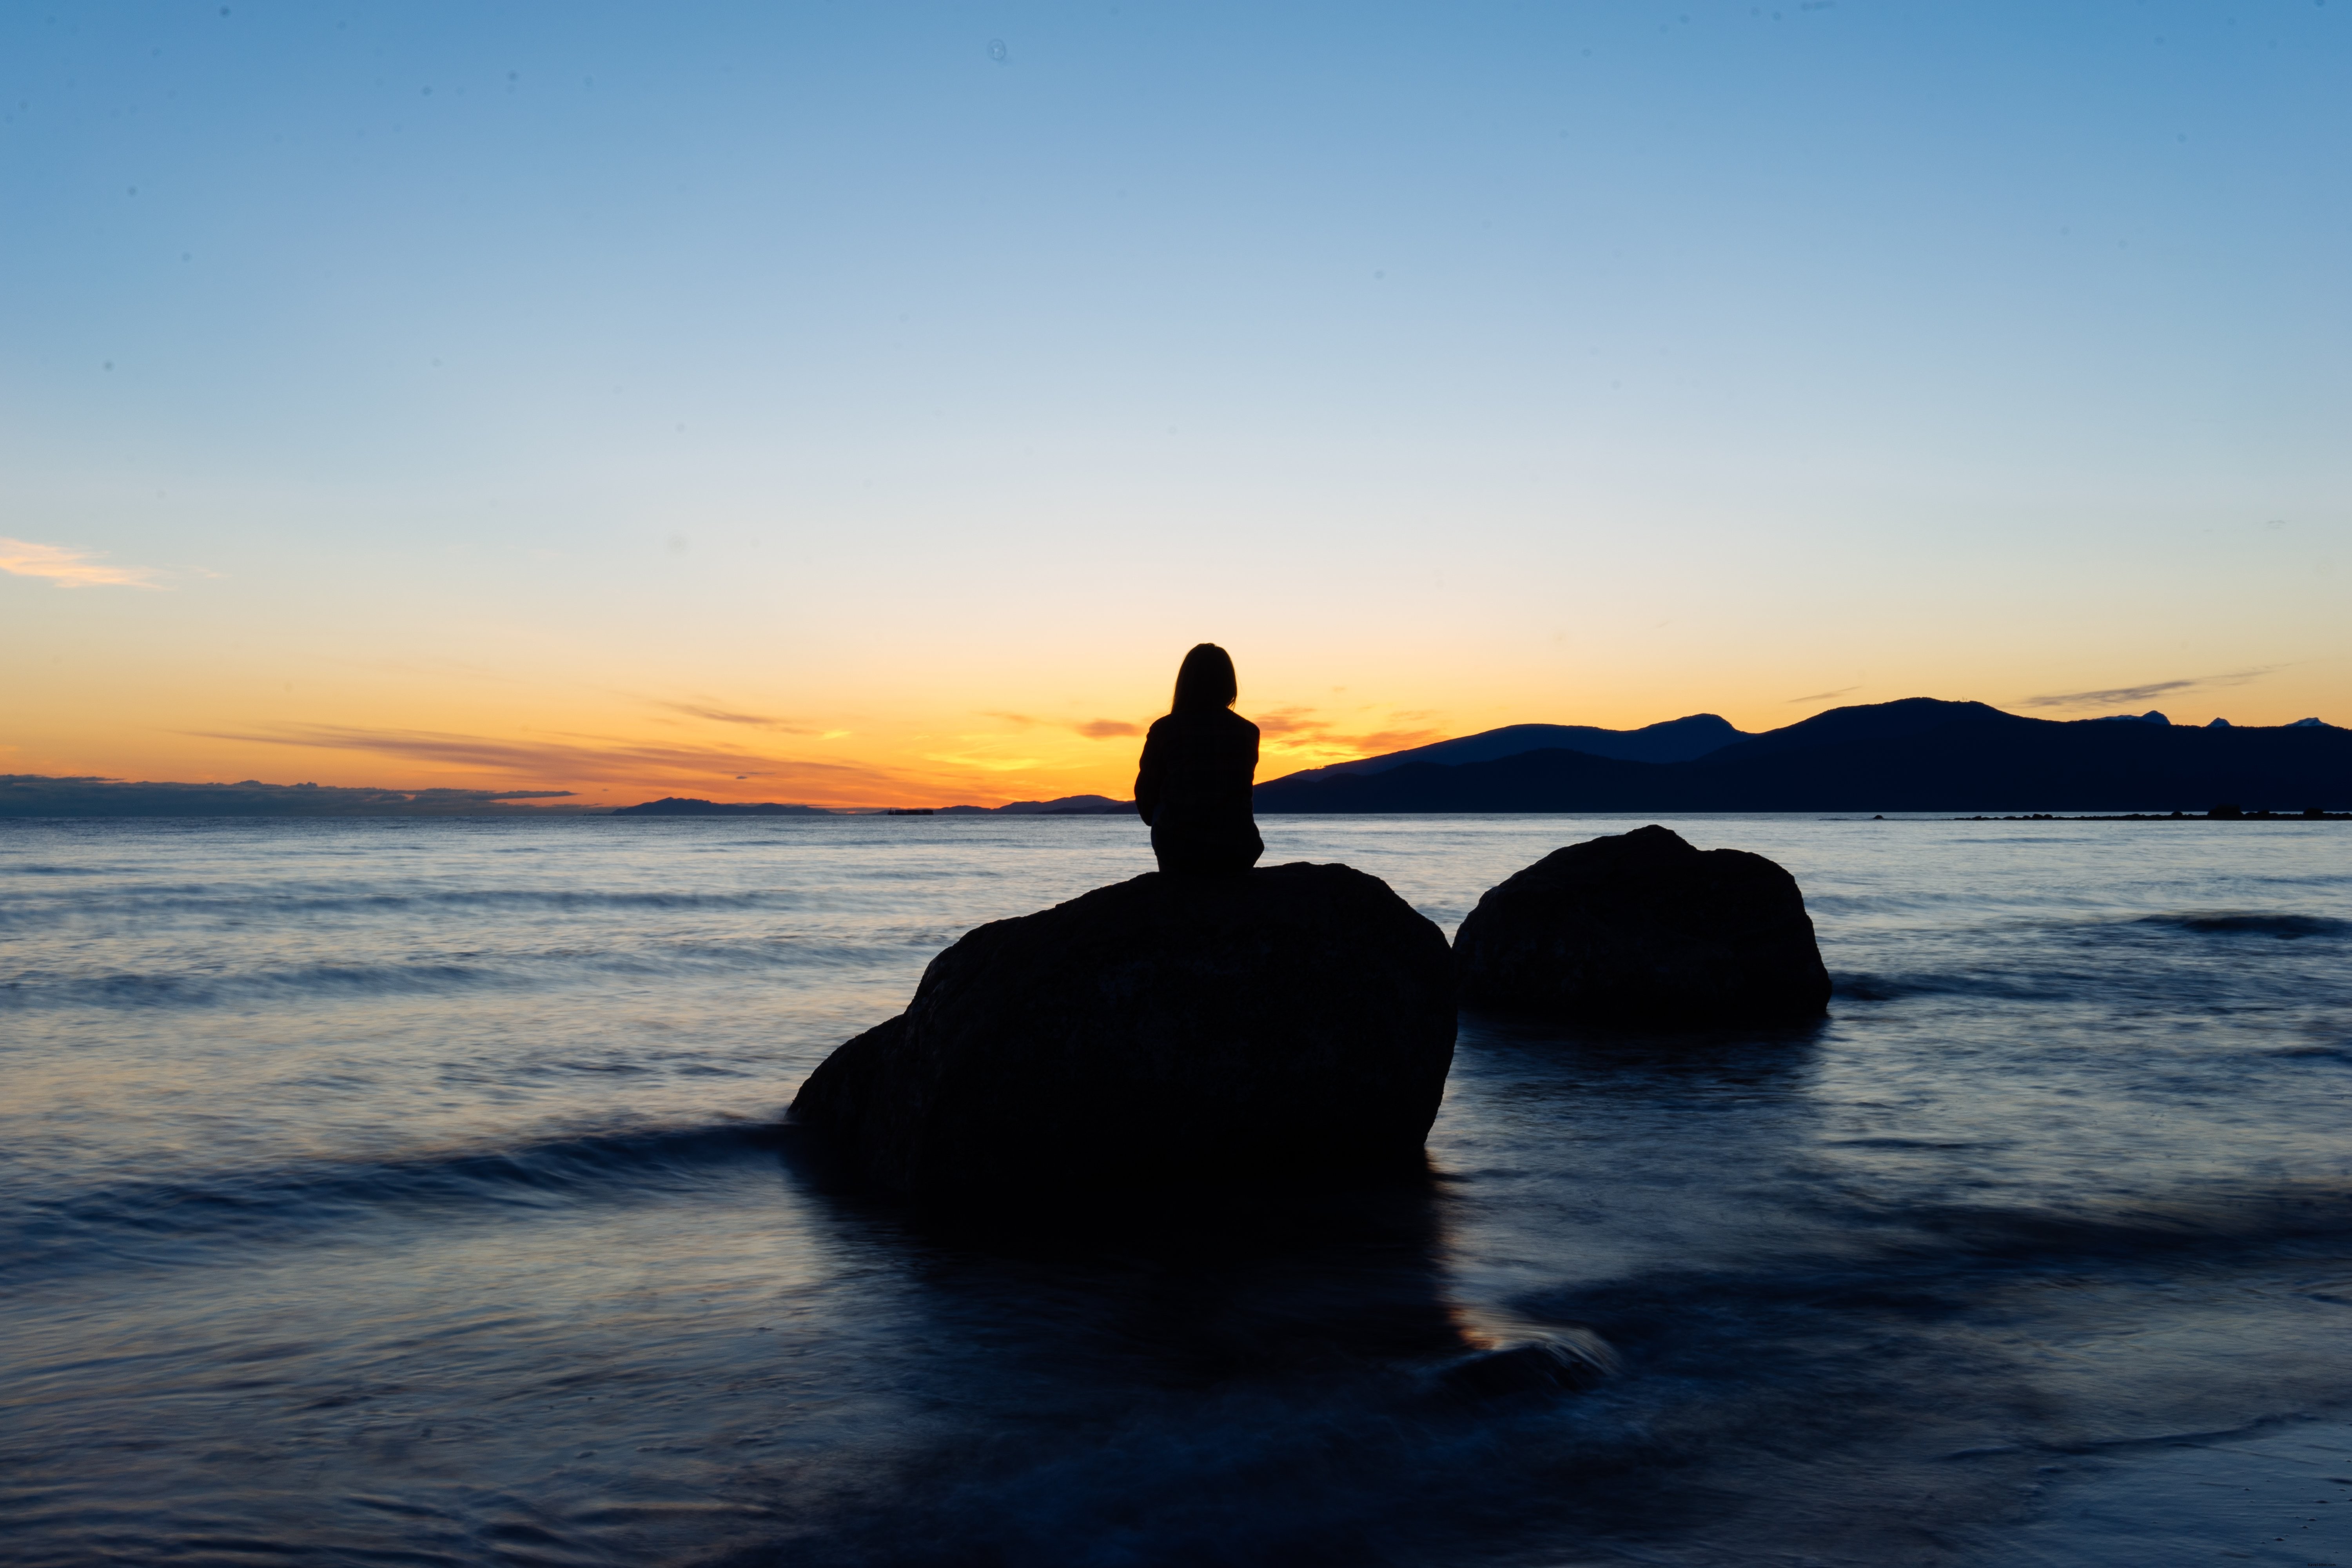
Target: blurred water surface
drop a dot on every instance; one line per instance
(408, 1191)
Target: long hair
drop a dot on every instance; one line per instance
(1205, 682)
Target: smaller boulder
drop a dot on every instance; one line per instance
(1641, 928)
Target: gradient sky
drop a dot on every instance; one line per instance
(868, 404)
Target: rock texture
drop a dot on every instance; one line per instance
(1640, 928)
(1164, 1029)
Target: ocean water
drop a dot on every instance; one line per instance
(398, 1192)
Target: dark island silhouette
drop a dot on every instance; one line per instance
(683, 805)
(24, 795)
(691, 805)
(1063, 805)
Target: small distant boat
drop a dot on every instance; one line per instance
(910, 811)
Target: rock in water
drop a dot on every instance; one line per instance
(1640, 928)
(1293, 1018)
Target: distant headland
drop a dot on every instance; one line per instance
(36, 795)
(1916, 754)
(1068, 805)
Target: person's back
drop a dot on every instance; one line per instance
(1193, 787)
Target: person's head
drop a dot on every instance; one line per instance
(1204, 682)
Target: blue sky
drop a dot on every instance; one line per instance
(474, 369)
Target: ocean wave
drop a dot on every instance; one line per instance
(1931, 1260)
(2249, 922)
(1878, 902)
(271, 904)
(2004, 984)
(194, 990)
(2223, 1221)
(2340, 1051)
(148, 1221)
(38, 990)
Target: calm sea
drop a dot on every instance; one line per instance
(398, 1192)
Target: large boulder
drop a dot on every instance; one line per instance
(1168, 1028)
(1640, 928)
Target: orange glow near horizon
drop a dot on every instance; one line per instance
(189, 686)
(630, 751)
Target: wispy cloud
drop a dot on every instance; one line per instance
(982, 761)
(1378, 742)
(725, 716)
(2116, 696)
(70, 568)
(1298, 730)
(1289, 721)
(1092, 729)
(580, 758)
(1824, 696)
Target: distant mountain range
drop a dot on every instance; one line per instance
(687, 806)
(36, 795)
(1067, 805)
(1674, 741)
(1916, 754)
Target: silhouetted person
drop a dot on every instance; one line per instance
(1198, 761)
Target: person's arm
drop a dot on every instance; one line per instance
(1147, 776)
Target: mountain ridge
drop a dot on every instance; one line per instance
(1913, 754)
(1669, 741)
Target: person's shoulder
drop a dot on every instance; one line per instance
(1239, 724)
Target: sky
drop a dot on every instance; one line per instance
(868, 404)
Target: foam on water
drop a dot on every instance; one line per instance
(410, 1191)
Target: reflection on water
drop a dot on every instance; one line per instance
(411, 1192)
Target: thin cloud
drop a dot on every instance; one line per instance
(1825, 696)
(2115, 696)
(597, 759)
(1379, 742)
(1296, 730)
(983, 763)
(70, 568)
(722, 716)
(1093, 729)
